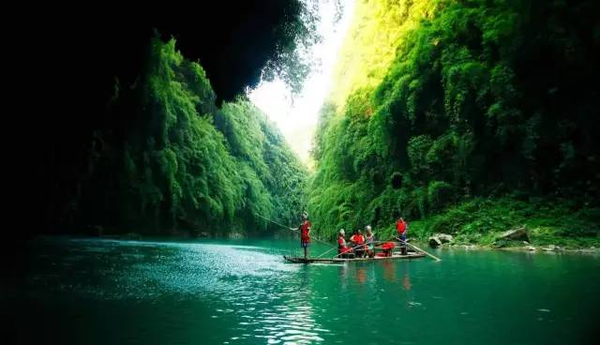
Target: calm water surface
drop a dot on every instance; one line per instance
(77, 291)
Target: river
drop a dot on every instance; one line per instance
(89, 291)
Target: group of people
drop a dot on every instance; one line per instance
(359, 245)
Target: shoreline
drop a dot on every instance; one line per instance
(527, 248)
(533, 249)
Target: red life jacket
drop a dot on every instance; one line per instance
(400, 227)
(359, 239)
(387, 249)
(388, 246)
(342, 248)
(304, 231)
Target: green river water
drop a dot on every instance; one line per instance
(88, 291)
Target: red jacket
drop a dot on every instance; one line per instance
(388, 246)
(304, 228)
(401, 226)
(358, 239)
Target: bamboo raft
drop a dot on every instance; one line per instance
(395, 256)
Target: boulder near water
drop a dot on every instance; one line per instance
(434, 242)
(519, 234)
(437, 240)
(445, 238)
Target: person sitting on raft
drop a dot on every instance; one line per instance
(401, 227)
(343, 250)
(387, 248)
(358, 241)
(369, 242)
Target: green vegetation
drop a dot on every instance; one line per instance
(466, 117)
(483, 100)
(185, 164)
(548, 221)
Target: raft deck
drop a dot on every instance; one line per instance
(395, 256)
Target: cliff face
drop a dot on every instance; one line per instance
(440, 102)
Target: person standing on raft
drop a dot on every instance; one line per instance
(401, 227)
(305, 234)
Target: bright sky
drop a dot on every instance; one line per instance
(297, 119)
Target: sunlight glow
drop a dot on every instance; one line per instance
(297, 116)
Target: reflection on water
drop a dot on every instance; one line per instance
(292, 321)
(361, 275)
(265, 298)
(234, 293)
(406, 282)
(278, 313)
(389, 270)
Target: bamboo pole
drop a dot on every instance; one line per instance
(293, 229)
(330, 249)
(417, 248)
(349, 251)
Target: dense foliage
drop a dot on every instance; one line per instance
(481, 99)
(548, 221)
(186, 164)
(66, 126)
